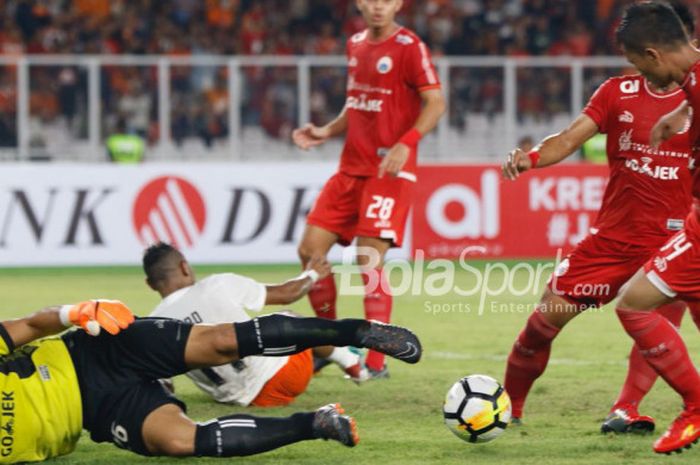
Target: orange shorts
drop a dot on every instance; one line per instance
(287, 383)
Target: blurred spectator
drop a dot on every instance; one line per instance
(8, 108)
(286, 27)
(135, 107)
(472, 27)
(68, 93)
(10, 39)
(123, 147)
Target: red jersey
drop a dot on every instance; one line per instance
(649, 190)
(383, 98)
(691, 86)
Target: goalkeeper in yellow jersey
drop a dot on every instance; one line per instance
(104, 378)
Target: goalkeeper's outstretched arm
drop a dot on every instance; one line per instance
(91, 315)
(43, 323)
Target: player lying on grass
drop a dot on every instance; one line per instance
(393, 100)
(260, 381)
(645, 202)
(108, 383)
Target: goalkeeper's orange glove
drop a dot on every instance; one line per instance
(91, 315)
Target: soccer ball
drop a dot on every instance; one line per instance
(477, 409)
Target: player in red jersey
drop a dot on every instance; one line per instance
(640, 375)
(393, 99)
(645, 202)
(654, 41)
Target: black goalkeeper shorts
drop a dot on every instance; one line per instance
(118, 377)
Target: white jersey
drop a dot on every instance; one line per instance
(223, 298)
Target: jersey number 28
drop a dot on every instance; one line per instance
(381, 207)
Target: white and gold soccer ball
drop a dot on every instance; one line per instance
(477, 409)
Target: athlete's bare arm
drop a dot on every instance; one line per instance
(433, 109)
(43, 323)
(311, 135)
(91, 315)
(296, 288)
(669, 125)
(552, 149)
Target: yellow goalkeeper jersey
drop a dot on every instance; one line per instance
(40, 407)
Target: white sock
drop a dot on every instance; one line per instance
(343, 357)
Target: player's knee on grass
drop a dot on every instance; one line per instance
(211, 345)
(178, 447)
(173, 446)
(168, 431)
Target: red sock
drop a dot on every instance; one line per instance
(322, 297)
(662, 346)
(694, 308)
(528, 359)
(377, 302)
(640, 375)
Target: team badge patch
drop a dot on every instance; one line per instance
(384, 64)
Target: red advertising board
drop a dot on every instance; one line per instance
(544, 210)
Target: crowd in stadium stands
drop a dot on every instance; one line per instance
(192, 27)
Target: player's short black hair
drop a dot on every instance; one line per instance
(159, 260)
(685, 14)
(650, 24)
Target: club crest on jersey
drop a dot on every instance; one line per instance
(352, 62)
(629, 87)
(693, 79)
(626, 117)
(384, 64)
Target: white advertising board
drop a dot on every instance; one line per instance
(91, 214)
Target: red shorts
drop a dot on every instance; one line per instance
(593, 273)
(353, 206)
(675, 268)
(289, 382)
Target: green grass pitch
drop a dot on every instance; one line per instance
(400, 419)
